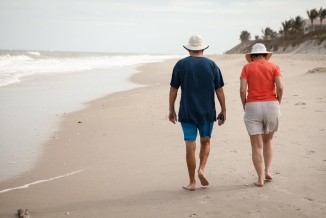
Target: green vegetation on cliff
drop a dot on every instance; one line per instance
(295, 36)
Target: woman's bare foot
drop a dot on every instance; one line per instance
(259, 183)
(202, 178)
(190, 187)
(268, 176)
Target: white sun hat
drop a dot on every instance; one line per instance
(196, 44)
(258, 48)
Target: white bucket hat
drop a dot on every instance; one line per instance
(258, 48)
(196, 44)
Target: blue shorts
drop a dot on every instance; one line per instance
(190, 130)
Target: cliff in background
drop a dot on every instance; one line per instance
(312, 43)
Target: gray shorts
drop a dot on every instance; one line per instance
(262, 117)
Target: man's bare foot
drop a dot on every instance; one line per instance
(202, 178)
(190, 187)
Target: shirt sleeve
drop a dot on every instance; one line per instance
(244, 74)
(277, 71)
(218, 82)
(175, 80)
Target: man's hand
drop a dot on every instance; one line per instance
(221, 118)
(172, 98)
(221, 98)
(173, 117)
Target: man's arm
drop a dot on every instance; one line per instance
(243, 91)
(279, 88)
(221, 98)
(172, 98)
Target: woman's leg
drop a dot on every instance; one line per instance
(268, 153)
(257, 157)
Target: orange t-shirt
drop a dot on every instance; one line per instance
(261, 75)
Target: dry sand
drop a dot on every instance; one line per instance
(121, 157)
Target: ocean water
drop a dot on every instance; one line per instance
(38, 87)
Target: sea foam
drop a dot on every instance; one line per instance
(15, 65)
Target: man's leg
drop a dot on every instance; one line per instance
(257, 157)
(268, 153)
(203, 155)
(191, 164)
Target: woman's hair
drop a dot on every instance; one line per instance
(256, 55)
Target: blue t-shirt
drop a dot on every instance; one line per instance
(198, 77)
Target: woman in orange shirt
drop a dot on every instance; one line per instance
(261, 91)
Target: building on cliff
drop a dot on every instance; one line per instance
(316, 25)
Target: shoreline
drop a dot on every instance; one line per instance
(132, 158)
(34, 108)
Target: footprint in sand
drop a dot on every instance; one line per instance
(309, 199)
(300, 103)
(205, 199)
(318, 70)
(310, 152)
(193, 215)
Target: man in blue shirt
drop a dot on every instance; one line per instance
(200, 79)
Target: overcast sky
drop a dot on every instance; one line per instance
(139, 26)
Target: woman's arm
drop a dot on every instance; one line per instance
(279, 88)
(243, 91)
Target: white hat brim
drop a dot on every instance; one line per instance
(249, 59)
(195, 48)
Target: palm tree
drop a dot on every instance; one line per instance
(245, 36)
(312, 14)
(287, 27)
(268, 33)
(298, 24)
(322, 15)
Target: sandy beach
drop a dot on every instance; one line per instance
(121, 157)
